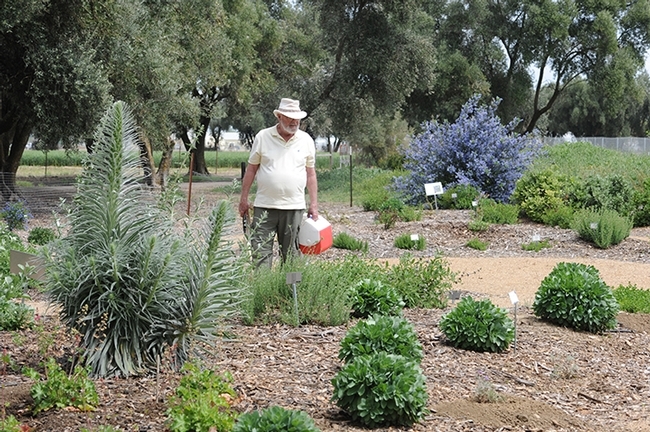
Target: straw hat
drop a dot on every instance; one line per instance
(290, 108)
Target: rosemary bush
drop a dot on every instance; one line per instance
(389, 334)
(125, 280)
(405, 241)
(574, 295)
(604, 228)
(478, 326)
(346, 241)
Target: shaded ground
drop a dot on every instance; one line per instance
(551, 379)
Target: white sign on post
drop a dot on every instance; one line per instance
(415, 237)
(513, 297)
(433, 188)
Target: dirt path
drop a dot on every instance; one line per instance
(496, 277)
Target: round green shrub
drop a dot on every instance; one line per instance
(381, 390)
(478, 326)
(40, 236)
(458, 197)
(373, 297)
(574, 295)
(392, 335)
(275, 418)
(604, 228)
(537, 193)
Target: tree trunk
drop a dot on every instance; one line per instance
(13, 143)
(146, 159)
(165, 164)
(200, 167)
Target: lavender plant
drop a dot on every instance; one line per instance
(476, 150)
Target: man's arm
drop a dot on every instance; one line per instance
(246, 183)
(312, 189)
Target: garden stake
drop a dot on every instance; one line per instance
(293, 278)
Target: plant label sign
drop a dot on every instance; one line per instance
(454, 294)
(513, 297)
(293, 278)
(415, 237)
(536, 237)
(433, 188)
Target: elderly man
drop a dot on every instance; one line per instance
(283, 161)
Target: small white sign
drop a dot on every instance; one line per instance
(513, 297)
(593, 225)
(415, 237)
(536, 237)
(454, 195)
(433, 188)
(293, 278)
(474, 203)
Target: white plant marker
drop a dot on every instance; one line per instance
(415, 237)
(293, 279)
(434, 189)
(514, 300)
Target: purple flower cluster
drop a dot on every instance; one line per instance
(476, 150)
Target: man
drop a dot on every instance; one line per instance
(283, 159)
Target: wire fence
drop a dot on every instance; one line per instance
(636, 145)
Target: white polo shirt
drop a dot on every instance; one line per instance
(281, 177)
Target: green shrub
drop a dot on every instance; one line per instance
(410, 214)
(632, 299)
(421, 282)
(498, 213)
(406, 241)
(41, 236)
(538, 192)
(14, 315)
(477, 244)
(346, 241)
(380, 333)
(10, 424)
(641, 205)
(561, 216)
(478, 225)
(275, 418)
(536, 245)
(381, 390)
(464, 195)
(604, 228)
(389, 212)
(59, 390)
(15, 214)
(610, 192)
(8, 241)
(573, 295)
(478, 326)
(201, 402)
(373, 297)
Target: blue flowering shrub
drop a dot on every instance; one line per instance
(476, 150)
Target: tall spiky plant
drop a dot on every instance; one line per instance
(124, 279)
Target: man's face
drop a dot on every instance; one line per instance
(288, 125)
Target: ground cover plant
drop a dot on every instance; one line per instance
(633, 299)
(574, 295)
(476, 243)
(275, 418)
(202, 402)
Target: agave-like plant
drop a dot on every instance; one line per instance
(132, 287)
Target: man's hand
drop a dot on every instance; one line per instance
(244, 207)
(312, 212)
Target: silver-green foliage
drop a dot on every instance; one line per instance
(125, 280)
(604, 228)
(574, 295)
